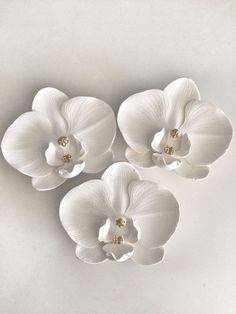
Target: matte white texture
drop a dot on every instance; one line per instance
(111, 50)
(60, 138)
(97, 213)
(174, 129)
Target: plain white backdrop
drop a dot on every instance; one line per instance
(110, 50)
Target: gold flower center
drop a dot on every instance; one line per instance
(67, 158)
(118, 240)
(63, 141)
(175, 133)
(169, 150)
(120, 222)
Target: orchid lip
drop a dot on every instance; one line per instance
(169, 143)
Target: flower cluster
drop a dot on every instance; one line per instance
(121, 216)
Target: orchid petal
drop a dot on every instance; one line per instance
(146, 256)
(131, 231)
(48, 101)
(140, 117)
(139, 159)
(94, 165)
(118, 252)
(75, 148)
(71, 173)
(92, 121)
(25, 142)
(54, 155)
(191, 171)
(209, 131)
(154, 210)
(165, 162)
(106, 231)
(158, 140)
(179, 93)
(91, 255)
(84, 210)
(48, 182)
(185, 145)
(117, 178)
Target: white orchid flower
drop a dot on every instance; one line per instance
(119, 217)
(174, 129)
(60, 138)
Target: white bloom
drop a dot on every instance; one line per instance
(119, 217)
(174, 129)
(60, 138)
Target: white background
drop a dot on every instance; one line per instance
(110, 50)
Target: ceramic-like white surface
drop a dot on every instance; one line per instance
(119, 217)
(111, 50)
(174, 129)
(75, 135)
